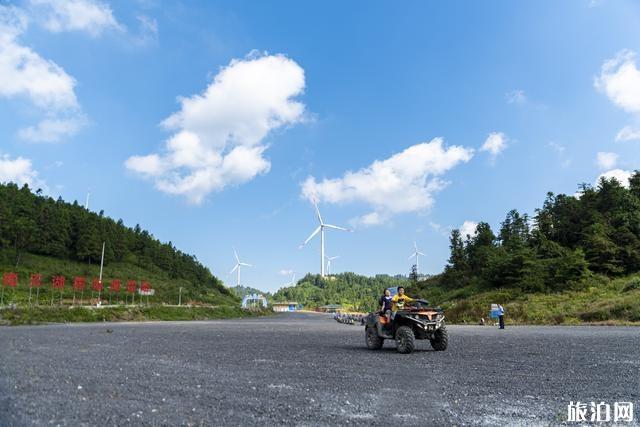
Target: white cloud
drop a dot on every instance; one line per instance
(606, 160)
(558, 148)
(622, 176)
(560, 151)
(442, 230)
(25, 74)
(370, 219)
(219, 134)
(405, 182)
(13, 21)
(516, 97)
(19, 171)
(628, 133)
(468, 228)
(91, 16)
(53, 130)
(148, 166)
(148, 30)
(285, 272)
(620, 80)
(495, 143)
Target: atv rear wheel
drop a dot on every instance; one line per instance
(405, 340)
(440, 339)
(374, 342)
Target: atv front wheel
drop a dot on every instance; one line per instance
(405, 340)
(374, 342)
(440, 339)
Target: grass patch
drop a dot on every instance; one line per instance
(40, 315)
(597, 300)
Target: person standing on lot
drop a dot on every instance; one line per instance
(501, 316)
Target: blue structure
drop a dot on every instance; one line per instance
(287, 306)
(254, 300)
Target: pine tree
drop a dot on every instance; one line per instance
(413, 275)
(458, 257)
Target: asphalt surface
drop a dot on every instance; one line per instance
(305, 369)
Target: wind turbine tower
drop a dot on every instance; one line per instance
(236, 268)
(293, 280)
(417, 254)
(329, 259)
(320, 230)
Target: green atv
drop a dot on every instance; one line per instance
(419, 322)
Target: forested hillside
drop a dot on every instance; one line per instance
(349, 289)
(55, 237)
(586, 246)
(576, 259)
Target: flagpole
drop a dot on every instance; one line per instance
(101, 265)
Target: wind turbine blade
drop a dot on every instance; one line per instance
(315, 204)
(245, 264)
(234, 269)
(317, 230)
(336, 227)
(236, 254)
(411, 256)
(420, 253)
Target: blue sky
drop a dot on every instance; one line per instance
(212, 124)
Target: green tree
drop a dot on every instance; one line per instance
(458, 257)
(413, 275)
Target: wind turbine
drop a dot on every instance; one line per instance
(329, 259)
(236, 268)
(416, 253)
(293, 279)
(320, 230)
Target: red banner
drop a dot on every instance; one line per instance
(79, 283)
(58, 282)
(145, 287)
(115, 285)
(36, 280)
(10, 279)
(131, 286)
(96, 285)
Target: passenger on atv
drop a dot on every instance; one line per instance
(385, 304)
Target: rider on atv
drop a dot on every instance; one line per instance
(398, 301)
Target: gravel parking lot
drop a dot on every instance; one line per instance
(306, 369)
